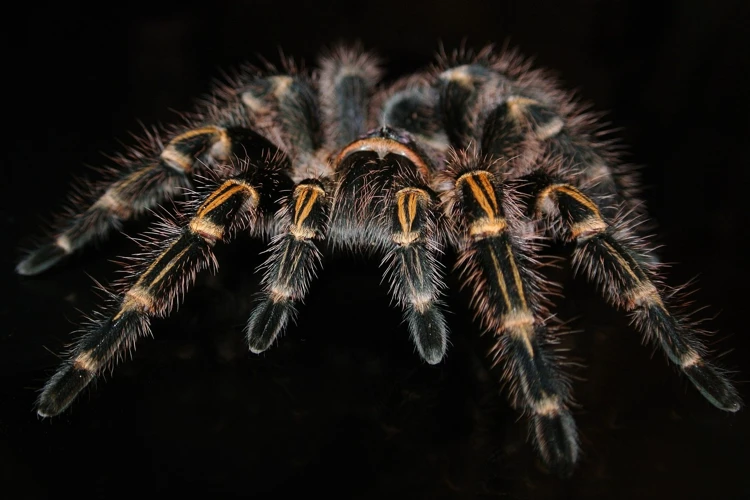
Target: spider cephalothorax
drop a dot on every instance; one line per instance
(479, 152)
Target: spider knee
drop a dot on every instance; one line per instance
(138, 299)
(279, 294)
(64, 243)
(85, 362)
(644, 295)
(308, 212)
(482, 204)
(410, 216)
(112, 202)
(209, 231)
(587, 228)
(583, 215)
(520, 325)
(545, 123)
(218, 205)
(487, 227)
(421, 302)
(548, 406)
(690, 359)
(264, 92)
(180, 152)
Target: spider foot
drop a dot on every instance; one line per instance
(94, 351)
(62, 389)
(714, 386)
(429, 333)
(556, 440)
(268, 319)
(41, 259)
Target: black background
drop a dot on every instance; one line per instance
(342, 405)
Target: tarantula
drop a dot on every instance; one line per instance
(479, 151)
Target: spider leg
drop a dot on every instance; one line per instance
(347, 78)
(518, 124)
(411, 104)
(506, 297)
(292, 264)
(414, 271)
(626, 279)
(382, 203)
(242, 201)
(227, 127)
(493, 259)
(148, 178)
(519, 113)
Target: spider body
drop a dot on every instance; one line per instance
(480, 153)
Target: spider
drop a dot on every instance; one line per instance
(479, 152)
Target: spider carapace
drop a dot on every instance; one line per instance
(479, 152)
